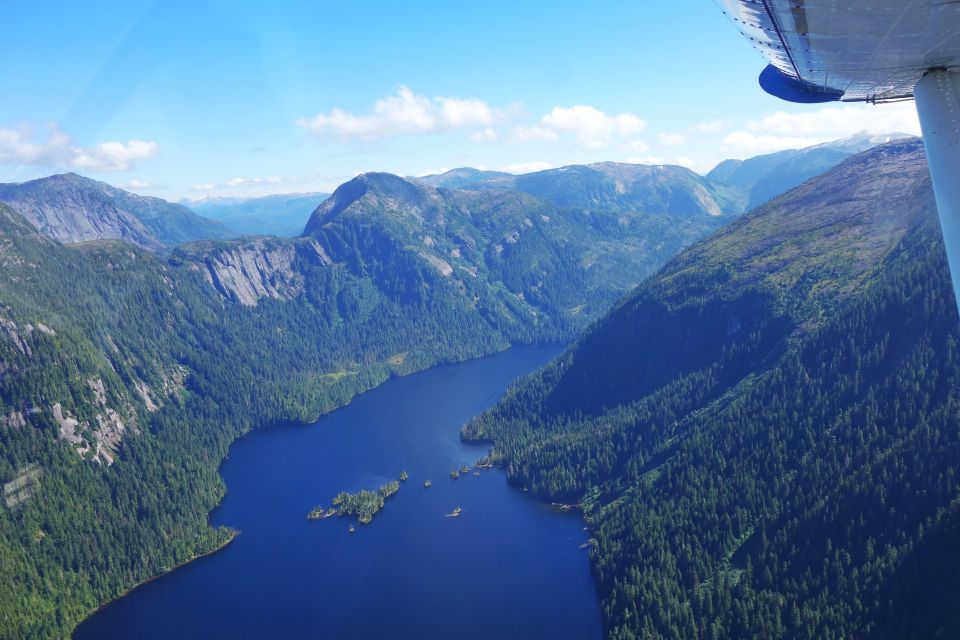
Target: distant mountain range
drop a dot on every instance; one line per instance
(764, 177)
(71, 208)
(732, 187)
(281, 215)
(610, 186)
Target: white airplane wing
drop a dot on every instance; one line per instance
(871, 51)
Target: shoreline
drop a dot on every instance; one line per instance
(297, 424)
(233, 536)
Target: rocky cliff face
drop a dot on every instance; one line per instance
(248, 270)
(70, 208)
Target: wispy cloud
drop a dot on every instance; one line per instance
(433, 172)
(137, 184)
(268, 183)
(403, 113)
(782, 130)
(712, 126)
(672, 139)
(22, 146)
(528, 167)
(487, 134)
(591, 126)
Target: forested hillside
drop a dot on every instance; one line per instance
(764, 435)
(124, 383)
(126, 374)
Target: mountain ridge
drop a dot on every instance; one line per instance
(71, 208)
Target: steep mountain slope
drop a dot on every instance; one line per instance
(767, 176)
(763, 435)
(281, 215)
(70, 208)
(515, 256)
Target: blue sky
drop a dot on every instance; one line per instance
(186, 99)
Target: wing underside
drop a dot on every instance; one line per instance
(849, 50)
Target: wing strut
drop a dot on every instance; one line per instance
(938, 105)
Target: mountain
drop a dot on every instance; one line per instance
(731, 188)
(763, 435)
(622, 188)
(460, 178)
(505, 249)
(278, 215)
(767, 176)
(71, 208)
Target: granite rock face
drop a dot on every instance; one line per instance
(247, 270)
(71, 208)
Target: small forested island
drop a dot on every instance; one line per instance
(364, 504)
(404, 476)
(464, 470)
(427, 484)
(454, 474)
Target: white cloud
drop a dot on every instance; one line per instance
(700, 166)
(837, 122)
(532, 134)
(433, 172)
(485, 135)
(528, 167)
(645, 160)
(136, 184)
(255, 182)
(591, 126)
(404, 112)
(713, 126)
(263, 184)
(782, 130)
(750, 143)
(672, 139)
(114, 156)
(58, 150)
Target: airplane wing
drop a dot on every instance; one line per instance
(871, 51)
(850, 50)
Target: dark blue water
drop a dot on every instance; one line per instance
(508, 567)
